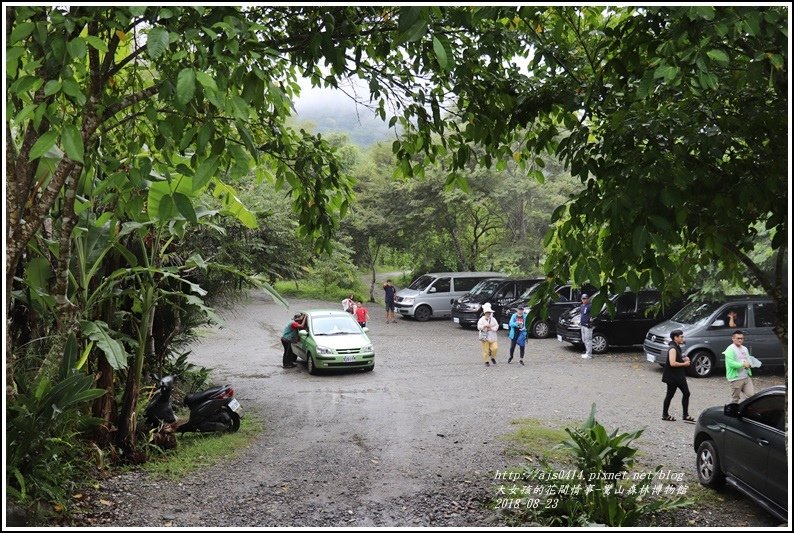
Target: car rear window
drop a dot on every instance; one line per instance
(765, 314)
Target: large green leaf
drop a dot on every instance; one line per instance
(718, 55)
(206, 80)
(234, 206)
(41, 146)
(72, 142)
(159, 189)
(157, 42)
(185, 206)
(99, 332)
(205, 172)
(20, 31)
(441, 54)
(185, 85)
(69, 360)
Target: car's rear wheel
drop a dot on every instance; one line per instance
(600, 343)
(310, 366)
(540, 329)
(701, 364)
(423, 313)
(708, 465)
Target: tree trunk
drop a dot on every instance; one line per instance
(373, 261)
(67, 314)
(103, 406)
(125, 438)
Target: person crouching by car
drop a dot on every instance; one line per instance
(290, 335)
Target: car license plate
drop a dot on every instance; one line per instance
(456, 320)
(651, 358)
(350, 359)
(234, 405)
(559, 338)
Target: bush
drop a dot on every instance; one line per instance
(601, 490)
(45, 457)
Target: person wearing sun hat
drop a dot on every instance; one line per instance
(488, 326)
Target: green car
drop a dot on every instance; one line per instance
(334, 340)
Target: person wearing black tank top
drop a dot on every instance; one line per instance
(675, 377)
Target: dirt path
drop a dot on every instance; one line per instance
(414, 443)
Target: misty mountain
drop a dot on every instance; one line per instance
(330, 111)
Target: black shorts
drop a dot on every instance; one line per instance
(390, 306)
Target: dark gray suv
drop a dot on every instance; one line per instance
(745, 445)
(707, 332)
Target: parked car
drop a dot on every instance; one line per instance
(745, 445)
(567, 297)
(627, 327)
(467, 310)
(707, 332)
(333, 340)
(432, 294)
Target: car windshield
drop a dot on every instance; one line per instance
(696, 312)
(335, 325)
(421, 283)
(530, 291)
(485, 287)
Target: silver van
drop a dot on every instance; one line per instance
(432, 294)
(708, 327)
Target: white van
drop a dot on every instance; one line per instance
(432, 294)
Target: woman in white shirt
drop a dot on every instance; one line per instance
(488, 326)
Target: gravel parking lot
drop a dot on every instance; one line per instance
(414, 443)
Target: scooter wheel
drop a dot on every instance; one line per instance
(234, 425)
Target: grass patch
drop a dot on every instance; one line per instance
(532, 438)
(314, 290)
(705, 496)
(200, 450)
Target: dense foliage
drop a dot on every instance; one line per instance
(151, 155)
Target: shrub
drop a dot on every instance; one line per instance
(602, 489)
(45, 456)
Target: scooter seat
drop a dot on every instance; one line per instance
(198, 397)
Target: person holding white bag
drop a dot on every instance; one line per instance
(488, 326)
(738, 363)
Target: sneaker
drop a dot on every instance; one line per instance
(291, 365)
(487, 365)
(521, 361)
(585, 356)
(510, 360)
(493, 361)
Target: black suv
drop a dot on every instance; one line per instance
(627, 328)
(467, 310)
(567, 297)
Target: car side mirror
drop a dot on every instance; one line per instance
(365, 329)
(302, 333)
(432, 289)
(718, 324)
(731, 410)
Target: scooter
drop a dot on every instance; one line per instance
(215, 409)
